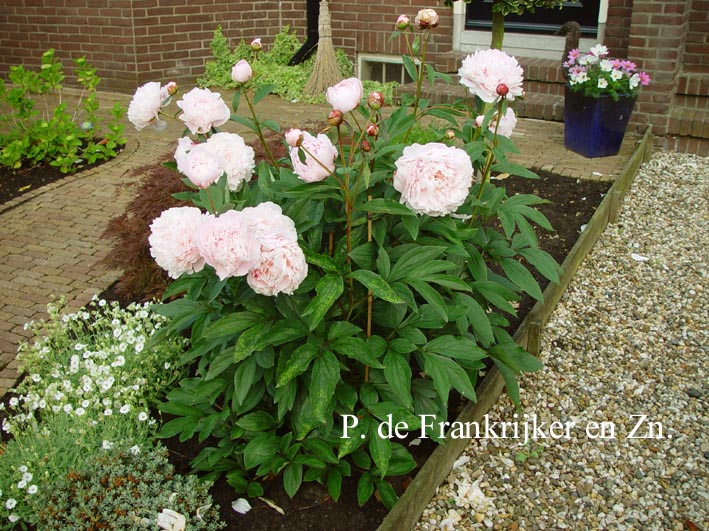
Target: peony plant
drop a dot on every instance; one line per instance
(595, 74)
(363, 278)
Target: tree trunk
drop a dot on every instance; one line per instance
(498, 26)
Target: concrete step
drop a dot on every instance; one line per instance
(534, 105)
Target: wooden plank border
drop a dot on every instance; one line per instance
(416, 497)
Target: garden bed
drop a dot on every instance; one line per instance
(579, 211)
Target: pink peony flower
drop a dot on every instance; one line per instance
(317, 168)
(506, 126)
(145, 105)
(426, 18)
(507, 123)
(241, 72)
(201, 165)
(172, 242)
(268, 221)
(203, 109)
(184, 145)
(485, 70)
(294, 137)
(236, 158)
(433, 179)
(281, 269)
(227, 244)
(345, 96)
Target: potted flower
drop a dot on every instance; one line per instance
(600, 95)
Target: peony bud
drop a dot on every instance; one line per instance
(171, 88)
(256, 45)
(402, 22)
(375, 100)
(241, 72)
(450, 134)
(372, 130)
(335, 118)
(502, 90)
(294, 137)
(426, 19)
(366, 146)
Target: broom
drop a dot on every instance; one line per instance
(326, 71)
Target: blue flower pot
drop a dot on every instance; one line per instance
(594, 127)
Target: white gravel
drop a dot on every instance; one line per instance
(629, 338)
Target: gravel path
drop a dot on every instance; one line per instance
(629, 338)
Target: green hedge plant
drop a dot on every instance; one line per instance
(40, 128)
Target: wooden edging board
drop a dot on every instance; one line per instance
(416, 497)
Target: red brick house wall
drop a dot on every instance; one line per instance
(134, 41)
(697, 50)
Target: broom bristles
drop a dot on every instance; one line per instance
(326, 71)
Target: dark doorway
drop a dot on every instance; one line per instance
(544, 21)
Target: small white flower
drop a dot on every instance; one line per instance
(125, 408)
(79, 411)
(102, 303)
(27, 476)
(85, 404)
(606, 65)
(134, 450)
(32, 489)
(13, 518)
(599, 50)
(10, 503)
(67, 408)
(107, 412)
(14, 401)
(142, 416)
(107, 445)
(20, 485)
(602, 83)
(616, 75)
(36, 378)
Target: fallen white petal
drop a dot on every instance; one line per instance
(639, 257)
(241, 506)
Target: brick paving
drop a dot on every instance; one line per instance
(50, 238)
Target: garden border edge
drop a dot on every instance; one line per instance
(407, 511)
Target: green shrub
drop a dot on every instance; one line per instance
(271, 67)
(37, 132)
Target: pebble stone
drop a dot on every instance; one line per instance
(628, 342)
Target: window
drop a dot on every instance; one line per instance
(383, 68)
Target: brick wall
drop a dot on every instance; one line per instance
(657, 37)
(135, 41)
(367, 27)
(697, 46)
(618, 27)
(102, 32)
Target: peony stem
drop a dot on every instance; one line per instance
(259, 132)
(370, 298)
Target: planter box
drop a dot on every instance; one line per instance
(595, 127)
(414, 500)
